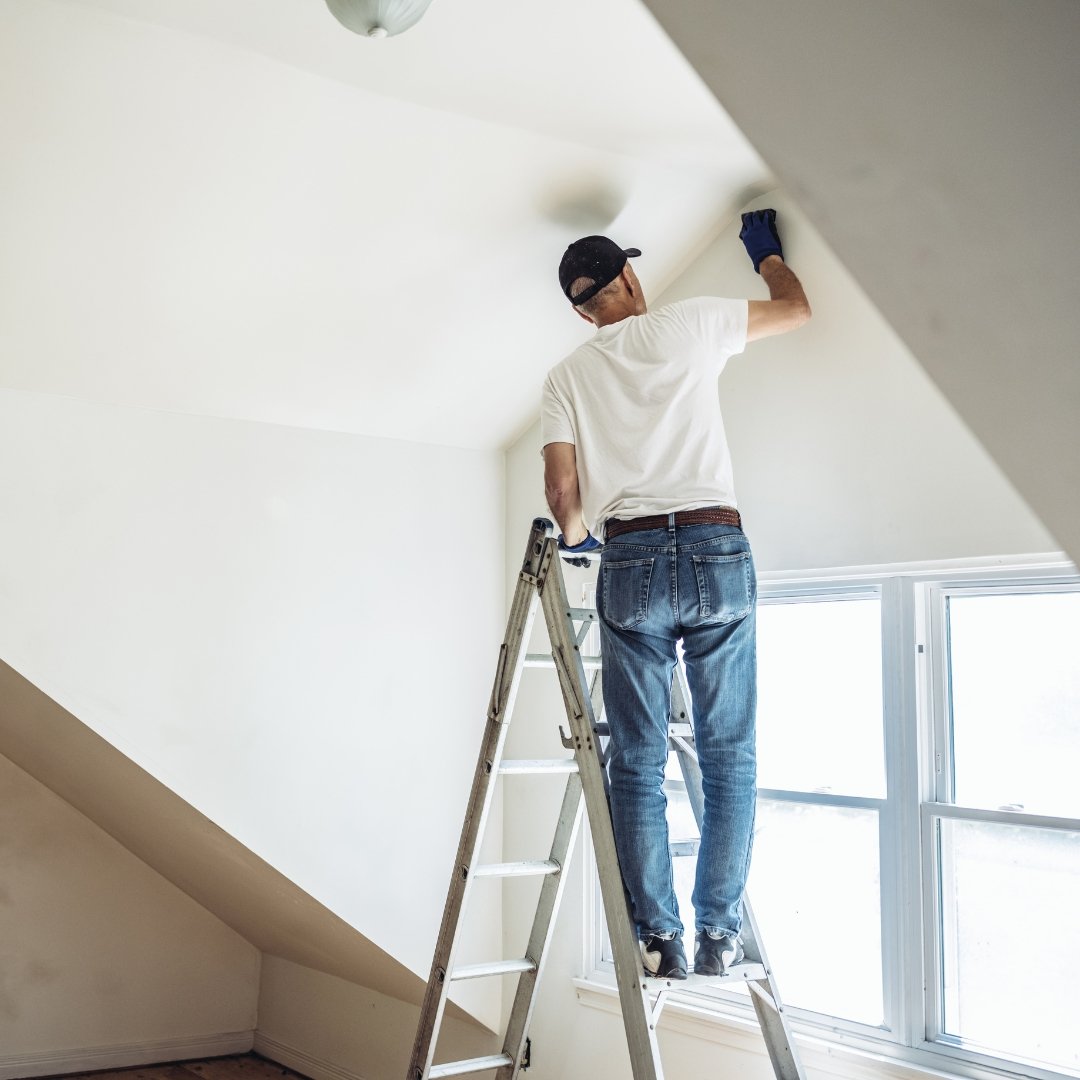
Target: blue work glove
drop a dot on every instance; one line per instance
(590, 543)
(759, 236)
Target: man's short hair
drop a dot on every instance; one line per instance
(595, 301)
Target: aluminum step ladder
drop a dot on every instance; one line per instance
(540, 583)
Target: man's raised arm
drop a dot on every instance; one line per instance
(787, 309)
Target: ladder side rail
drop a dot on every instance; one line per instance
(551, 893)
(537, 562)
(767, 1003)
(629, 973)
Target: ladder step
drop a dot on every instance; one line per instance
(470, 1065)
(518, 869)
(495, 967)
(533, 766)
(703, 984)
(544, 660)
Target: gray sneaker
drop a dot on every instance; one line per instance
(714, 955)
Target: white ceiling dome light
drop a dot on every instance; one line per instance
(378, 18)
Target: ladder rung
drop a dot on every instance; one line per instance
(518, 869)
(540, 659)
(495, 967)
(583, 614)
(470, 1065)
(681, 848)
(527, 766)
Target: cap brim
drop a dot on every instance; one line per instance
(631, 253)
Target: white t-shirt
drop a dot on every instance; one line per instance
(640, 403)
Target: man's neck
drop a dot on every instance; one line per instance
(615, 315)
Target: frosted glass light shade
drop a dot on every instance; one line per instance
(378, 18)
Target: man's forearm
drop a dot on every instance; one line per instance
(782, 282)
(565, 504)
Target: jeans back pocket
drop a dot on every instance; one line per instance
(624, 592)
(725, 586)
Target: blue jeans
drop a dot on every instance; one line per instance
(694, 583)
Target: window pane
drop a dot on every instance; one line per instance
(815, 886)
(1011, 939)
(803, 894)
(819, 697)
(1015, 675)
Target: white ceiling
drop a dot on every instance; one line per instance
(242, 209)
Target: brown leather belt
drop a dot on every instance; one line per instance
(706, 515)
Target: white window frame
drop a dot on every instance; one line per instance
(918, 777)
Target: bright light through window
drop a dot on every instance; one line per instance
(1011, 939)
(1015, 666)
(819, 697)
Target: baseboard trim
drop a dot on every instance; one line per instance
(300, 1060)
(93, 1058)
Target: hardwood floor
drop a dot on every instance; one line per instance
(235, 1067)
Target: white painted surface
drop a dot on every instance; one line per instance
(330, 1029)
(844, 453)
(97, 951)
(192, 225)
(934, 146)
(287, 628)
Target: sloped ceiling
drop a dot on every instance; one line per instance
(934, 145)
(242, 209)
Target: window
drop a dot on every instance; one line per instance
(916, 868)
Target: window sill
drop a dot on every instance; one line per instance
(821, 1055)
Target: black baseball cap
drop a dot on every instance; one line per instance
(594, 257)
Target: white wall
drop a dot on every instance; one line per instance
(295, 631)
(844, 454)
(102, 961)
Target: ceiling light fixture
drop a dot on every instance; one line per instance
(378, 18)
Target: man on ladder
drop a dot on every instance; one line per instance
(634, 447)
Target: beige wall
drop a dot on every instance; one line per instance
(327, 1028)
(102, 961)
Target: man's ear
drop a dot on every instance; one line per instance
(582, 315)
(627, 275)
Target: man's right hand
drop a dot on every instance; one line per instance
(759, 236)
